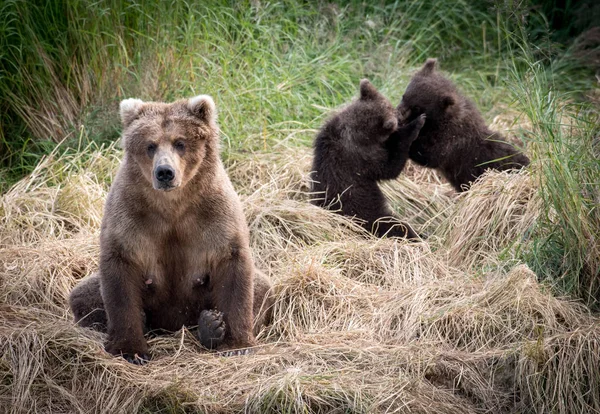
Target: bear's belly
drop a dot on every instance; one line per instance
(170, 306)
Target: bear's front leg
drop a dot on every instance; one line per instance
(232, 291)
(398, 146)
(122, 295)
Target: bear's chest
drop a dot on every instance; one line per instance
(176, 285)
(177, 259)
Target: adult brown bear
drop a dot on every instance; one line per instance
(174, 246)
(455, 139)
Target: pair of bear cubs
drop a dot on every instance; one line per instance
(174, 243)
(370, 141)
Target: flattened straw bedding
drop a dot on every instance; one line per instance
(360, 324)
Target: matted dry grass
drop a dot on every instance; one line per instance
(452, 325)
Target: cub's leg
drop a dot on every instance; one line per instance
(121, 287)
(86, 303)
(398, 146)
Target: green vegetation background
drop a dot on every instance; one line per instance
(277, 68)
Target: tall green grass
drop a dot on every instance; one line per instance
(275, 68)
(565, 143)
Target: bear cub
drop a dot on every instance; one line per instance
(174, 243)
(455, 140)
(355, 149)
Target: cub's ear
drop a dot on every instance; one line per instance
(368, 91)
(429, 66)
(130, 110)
(203, 107)
(448, 101)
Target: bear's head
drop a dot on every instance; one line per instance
(371, 118)
(170, 143)
(430, 93)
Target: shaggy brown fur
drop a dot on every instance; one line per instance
(455, 140)
(355, 149)
(174, 240)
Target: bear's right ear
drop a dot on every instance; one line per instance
(203, 107)
(130, 109)
(368, 91)
(429, 66)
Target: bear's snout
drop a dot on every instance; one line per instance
(165, 174)
(165, 178)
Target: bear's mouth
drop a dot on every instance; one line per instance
(165, 187)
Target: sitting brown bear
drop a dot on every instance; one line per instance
(174, 243)
(455, 140)
(355, 149)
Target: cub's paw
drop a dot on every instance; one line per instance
(420, 121)
(235, 352)
(211, 328)
(136, 359)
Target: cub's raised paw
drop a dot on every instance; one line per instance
(136, 359)
(420, 121)
(211, 328)
(235, 352)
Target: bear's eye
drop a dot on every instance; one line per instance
(179, 145)
(416, 110)
(151, 149)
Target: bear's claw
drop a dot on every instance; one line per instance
(211, 328)
(235, 352)
(136, 359)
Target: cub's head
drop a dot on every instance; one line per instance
(371, 118)
(170, 143)
(429, 93)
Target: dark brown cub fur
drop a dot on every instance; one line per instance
(455, 140)
(355, 149)
(174, 239)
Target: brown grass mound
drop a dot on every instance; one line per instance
(360, 324)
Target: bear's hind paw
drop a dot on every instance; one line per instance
(211, 328)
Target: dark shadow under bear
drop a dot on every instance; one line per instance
(355, 149)
(455, 140)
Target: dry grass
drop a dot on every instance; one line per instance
(452, 325)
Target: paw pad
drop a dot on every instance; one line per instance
(211, 328)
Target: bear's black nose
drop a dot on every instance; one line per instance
(165, 173)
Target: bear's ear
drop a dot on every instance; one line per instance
(130, 109)
(429, 66)
(448, 101)
(203, 107)
(368, 91)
